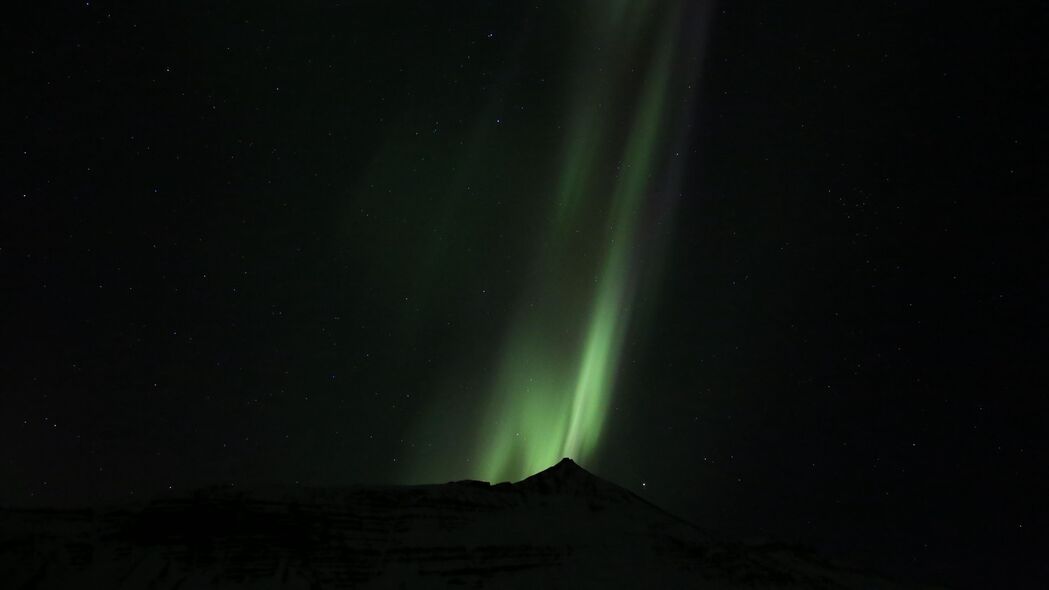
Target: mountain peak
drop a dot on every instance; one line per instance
(563, 470)
(565, 465)
(567, 477)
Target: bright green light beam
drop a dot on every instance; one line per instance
(553, 386)
(611, 310)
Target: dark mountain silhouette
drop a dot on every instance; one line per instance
(561, 528)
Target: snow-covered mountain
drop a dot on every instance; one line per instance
(561, 528)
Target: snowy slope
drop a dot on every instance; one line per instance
(561, 528)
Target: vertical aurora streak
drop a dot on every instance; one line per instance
(557, 372)
(611, 308)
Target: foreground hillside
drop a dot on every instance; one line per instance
(561, 528)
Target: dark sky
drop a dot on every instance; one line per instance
(262, 243)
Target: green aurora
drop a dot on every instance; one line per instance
(595, 182)
(557, 373)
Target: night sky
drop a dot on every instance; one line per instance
(778, 267)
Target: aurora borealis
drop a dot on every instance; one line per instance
(766, 264)
(557, 373)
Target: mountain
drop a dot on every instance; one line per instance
(560, 528)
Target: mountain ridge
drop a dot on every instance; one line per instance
(561, 528)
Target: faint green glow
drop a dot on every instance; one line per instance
(553, 386)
